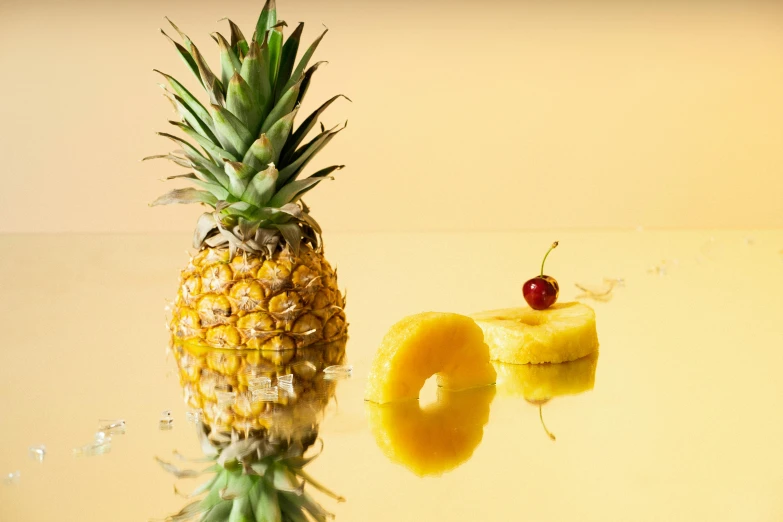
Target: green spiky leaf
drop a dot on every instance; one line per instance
(255, 74)
(287, 59)
(231, 132)
(296, 189)
(229, 61)
(212, 149)
(260, 154)
(190, 151)
(182, 162)
(305, 154)
(241, 511)
(267, 19)
(193, 120)
(284, 106)
(219, 513)
(304, 129)
(261, 188)
(213, 188)
(274, 42)
(209, 80)
(192, 103)
(238, 175)
(268, 508)
(186, 57)
(208, 168)
(293, 510)
(241, 103)
(188, 42)
(279, 133)
(292, 234)
(238, 40)
(306, 79)
(300, 68)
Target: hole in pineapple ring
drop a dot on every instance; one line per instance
(428, 395)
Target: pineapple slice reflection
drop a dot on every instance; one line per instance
(540, 383)
(259, 414)
(434, 439)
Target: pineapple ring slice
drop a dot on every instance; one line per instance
(449, 345)
(434, 439)
(541, 382)
(563, 332)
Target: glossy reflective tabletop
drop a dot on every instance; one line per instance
(683, 421)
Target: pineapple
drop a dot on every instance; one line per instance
(419, 346)
(257, 421)
(564, 332)
(260, 279)
(438, 438)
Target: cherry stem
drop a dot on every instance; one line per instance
(541, 416)
(554, 246)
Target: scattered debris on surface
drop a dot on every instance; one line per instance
(12, 478)
(663, 267)
(338, 371)
(603, 292)
(166, 421)
(37, 453)
(100, 445)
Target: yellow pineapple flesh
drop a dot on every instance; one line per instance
(275, 304)
(436, 438)
(563, 332)
(449, 345)
(541, 382)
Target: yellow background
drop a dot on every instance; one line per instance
(489, 115)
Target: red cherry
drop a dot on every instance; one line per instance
(542, 291)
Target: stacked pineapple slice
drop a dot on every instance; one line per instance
(561, 333)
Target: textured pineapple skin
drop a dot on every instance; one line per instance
(205, 373)
(276, 304)
(564, 332)
(419, 346)
(438, 438)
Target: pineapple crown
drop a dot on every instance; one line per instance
(254, 479)
(248, 160)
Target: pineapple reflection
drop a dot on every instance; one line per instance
(258, 420)
(434, 439)
(540, 383)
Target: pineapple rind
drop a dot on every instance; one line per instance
(284, 303)
(564, 332)
(204, 372)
